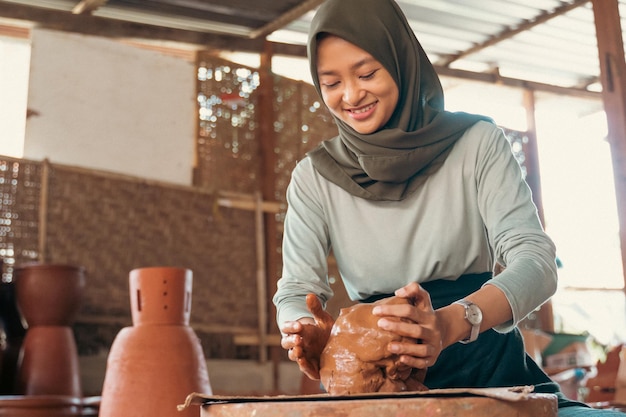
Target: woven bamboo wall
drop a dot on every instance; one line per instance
(228, 143)
(112, 224)
(19, 212)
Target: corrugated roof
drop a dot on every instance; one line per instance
(543, 41)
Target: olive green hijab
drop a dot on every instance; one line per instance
(391, 163)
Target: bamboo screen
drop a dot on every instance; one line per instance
(227, 144)
(19, 212)
(111, 224)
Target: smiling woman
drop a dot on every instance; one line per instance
(417, 202)
(356, 87)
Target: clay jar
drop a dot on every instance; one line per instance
(48, 297)
(156, 363)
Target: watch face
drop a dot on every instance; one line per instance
(474, 315)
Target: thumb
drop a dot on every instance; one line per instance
(315, 307)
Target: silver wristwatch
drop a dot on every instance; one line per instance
(474, 316)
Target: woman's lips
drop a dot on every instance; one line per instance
(362, 113)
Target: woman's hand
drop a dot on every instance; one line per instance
(416, 320)
(306, 338)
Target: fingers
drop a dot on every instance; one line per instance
(416, 355)
(308, 369)
(417, 295)
(314, 305)
(322, 318)
(416, 321)
(291, 327)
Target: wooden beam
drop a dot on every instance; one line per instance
(613, 75)
(512, 31)
(492, 78)
(112, 28)
(99, 26)
(286, 18)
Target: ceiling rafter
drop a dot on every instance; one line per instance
(88, 6)
(286, 18)
(513, 31)
(243, 25)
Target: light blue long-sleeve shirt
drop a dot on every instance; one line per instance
(474, 210)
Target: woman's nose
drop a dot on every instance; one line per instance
(353, 93)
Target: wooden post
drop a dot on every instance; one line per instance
(533, 178)
(533, 173)
(613, 76)
(266, 118)
(261, 275)
(43, 211)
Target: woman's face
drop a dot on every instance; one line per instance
(355, 87)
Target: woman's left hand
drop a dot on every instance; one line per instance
(416, 320)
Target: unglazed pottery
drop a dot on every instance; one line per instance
(48, 297)
(49, 363)
(154, 364)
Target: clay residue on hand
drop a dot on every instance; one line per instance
(356, 359)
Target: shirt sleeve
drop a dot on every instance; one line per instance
(306, 245)
(515, 232)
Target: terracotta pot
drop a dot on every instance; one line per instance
(49, 363)
(155, 364)
(49, 295)
(160, 295)
(40, 406)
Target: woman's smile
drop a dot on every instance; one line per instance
(362, 113)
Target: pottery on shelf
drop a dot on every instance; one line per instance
(154, 364)
(48, 298)
(49, 295)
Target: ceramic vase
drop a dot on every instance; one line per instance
(154, 364)
(48, 298)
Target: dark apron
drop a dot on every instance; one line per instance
(493, 360)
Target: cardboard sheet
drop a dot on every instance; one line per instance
(506, 394)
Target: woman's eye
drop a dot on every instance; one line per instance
(369, 75)
(331, 85)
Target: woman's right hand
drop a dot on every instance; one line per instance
(306, 338)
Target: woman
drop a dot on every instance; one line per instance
(414, 201)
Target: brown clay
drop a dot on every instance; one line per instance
(356, 358)
(155, 364)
